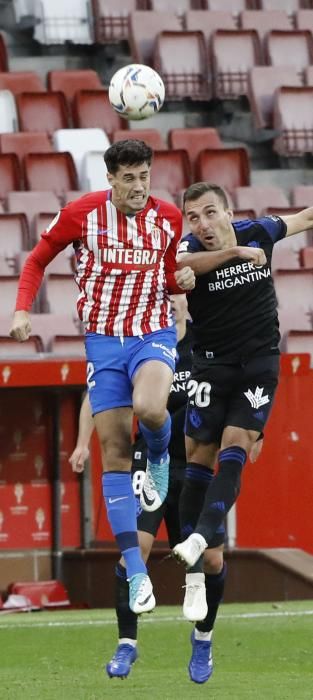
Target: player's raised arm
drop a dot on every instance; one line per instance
(204, 261)
(302, 221)
(85, 429)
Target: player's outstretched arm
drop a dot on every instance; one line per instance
(205, 261)
(302, 221)
(185, 278)
(85, 429)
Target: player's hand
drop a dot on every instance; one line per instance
(253, 255)
(78, 458)
(256, 450)
(185, 278)
(21, 326)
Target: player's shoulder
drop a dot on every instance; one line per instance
(164, 208)
(89, 201)
(265, 227)
(189, 244)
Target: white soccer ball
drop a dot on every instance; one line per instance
(136, 91)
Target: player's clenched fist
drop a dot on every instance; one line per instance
(253, 255)
(21, 326)
(185, 278)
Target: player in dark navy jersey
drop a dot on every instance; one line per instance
(236, 352)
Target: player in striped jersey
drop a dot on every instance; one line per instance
(125, 243)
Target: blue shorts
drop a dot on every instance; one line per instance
(112, 362)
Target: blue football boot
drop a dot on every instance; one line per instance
(201, 662)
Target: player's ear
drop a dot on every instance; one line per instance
(230, 214)
(110, 178)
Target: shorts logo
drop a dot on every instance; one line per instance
(195, 419)
(257, 399)
(167, 352)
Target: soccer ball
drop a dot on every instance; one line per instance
(136, 92)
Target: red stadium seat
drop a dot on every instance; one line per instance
(302, 196)
(32, 203)
(301, 240)
(304, 19)
(68, 345)
(151, 136)
(60, 295)
(10, 173)
(19, 81)
(111, 19)
(294, 288)
(143, 29)
(181, 6)
(306, 257)
(50, 171)
(236, 5)
(209, 22)
(227, 167)
(11, 349)
(3, 54)
(70, 81)
(92, 109)
(42, 593)
(8, 291)
(289, 6)
(180, 57)
(170, 171)
(264, 21)
(72, 195)
(293, 48)
(297, 318)
(194, 140)
(42, 111)
(242, 214)
(262, 83)
(299, 341)
(47, 326)
(293, 119)
(162, 194)
(14, 233)
(260, 198)
(234, 53)
(25, 142)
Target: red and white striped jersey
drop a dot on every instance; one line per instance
(125, 263)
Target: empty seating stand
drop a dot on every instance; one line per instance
(143, 30)
(234, 53)
(209, 22)
(92, 109)
(50, 171)
(236, 6)
(194, 140)
(293, 48)
(180, 57)
(228, 167)
(264, 21)
(70, 81)
(25, 142)
(10, 174)
(302, 196)
(42, 111)
(8, 114)
(78, 142)
(290, 6)
(151, 136)
(32, 204)
(111, 19)
(170, 171)
(263, 81)
(260, 198)
(20, 81)
(58, 21)
(293, 118)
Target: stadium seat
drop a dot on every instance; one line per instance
(19, 81)
(306, 257)
(181, 6)
(302, 239)
(42, 111)
(11, 349)
(25, 142)
(304, 19)
(299, 341)
(234, 53)
(262, 83)
(227, 167)
(47, 326)
(264, 21)
(302, 196)
(8, 114)
(57, 22)
(78, 142)
(93, 173)
(8, 291)
(194, 140)
(10, 174)
(50, 171)
(286, 253)
(143, 29)
(60, 295)
(72, 195)
(70, 81)
(162, 194)
(111, 19)
(14, 234)
(180, 57)
(42, 593)
(290, 6)
(293, 48)
(170, 171)
(294, 288)
(92, 109)
(41, 223)
(209, 22)
(236, 5)
(260, 198)
(242, 214)
(297, 318)
(32, 203)
(151, 136)
(293, 119)
(3, 54)
(68, 345)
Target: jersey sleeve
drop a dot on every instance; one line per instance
(274, 226)
(189, 244)
(170, 264)
(62, 231)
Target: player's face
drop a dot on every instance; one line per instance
(210, 222)
(130, 187)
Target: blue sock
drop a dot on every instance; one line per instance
(157, 441)
(121, 511)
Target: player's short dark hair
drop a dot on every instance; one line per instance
(196, 191)
(127, 152)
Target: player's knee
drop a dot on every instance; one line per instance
(151, 416)
(212, 561)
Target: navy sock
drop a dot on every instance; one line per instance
(214, 586)
(126, 618)
(157, 441)
(222, 492)
(121, 511)
(197, 478)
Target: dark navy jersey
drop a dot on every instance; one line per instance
(234, 307)
(176, 405)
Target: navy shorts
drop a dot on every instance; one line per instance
(112, 362)
(239, 394)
